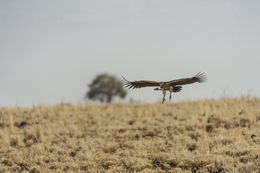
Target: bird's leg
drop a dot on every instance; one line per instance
(171, 90)
(164, 93)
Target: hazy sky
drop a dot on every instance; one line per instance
(50, 50)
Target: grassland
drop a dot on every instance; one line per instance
(201, 136)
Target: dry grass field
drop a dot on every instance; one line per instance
(198, 136)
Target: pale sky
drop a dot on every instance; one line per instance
(50, 50)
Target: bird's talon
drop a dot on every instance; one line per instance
(163, 100)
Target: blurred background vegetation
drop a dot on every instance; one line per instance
(105, 88)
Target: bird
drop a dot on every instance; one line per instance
(171, 86)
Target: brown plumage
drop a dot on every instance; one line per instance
(171, 86)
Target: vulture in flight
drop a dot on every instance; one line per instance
(171, 86)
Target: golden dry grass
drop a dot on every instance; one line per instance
(201, 136)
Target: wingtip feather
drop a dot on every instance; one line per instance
(128, 84)
(201, 76)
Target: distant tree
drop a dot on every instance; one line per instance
(105, 87)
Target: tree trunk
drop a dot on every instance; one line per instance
(109, 98)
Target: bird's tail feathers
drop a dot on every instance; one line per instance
(177, 88)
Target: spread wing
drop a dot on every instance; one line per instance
(199, 77)
(140, 84)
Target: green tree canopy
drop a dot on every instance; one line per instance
(105, 87)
